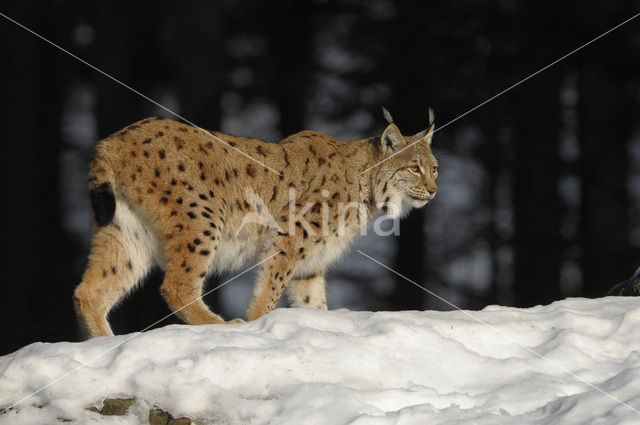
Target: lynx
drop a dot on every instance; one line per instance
(168, 194)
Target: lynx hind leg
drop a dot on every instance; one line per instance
(120, 257)
(308, 292)
(182, 290)
(190, 252)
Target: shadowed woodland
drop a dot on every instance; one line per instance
(539, 192)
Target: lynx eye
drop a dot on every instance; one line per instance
(435, 170)
(415, 169)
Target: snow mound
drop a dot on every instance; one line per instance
(574, 361)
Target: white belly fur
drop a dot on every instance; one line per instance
(235, 252)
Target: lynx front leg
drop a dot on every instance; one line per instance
(272, 281)
(308, 292)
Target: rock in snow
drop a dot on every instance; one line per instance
(575, 361)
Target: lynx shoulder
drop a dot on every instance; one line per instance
(196, 202)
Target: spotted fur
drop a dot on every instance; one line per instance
(168, 194)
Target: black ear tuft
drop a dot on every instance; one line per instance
(387, 115)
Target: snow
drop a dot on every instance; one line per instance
(576, 361)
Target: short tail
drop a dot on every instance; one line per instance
(101, 187)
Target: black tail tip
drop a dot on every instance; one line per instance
(103, 204)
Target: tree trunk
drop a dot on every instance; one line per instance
(605, 126)
(291, 55)
(410, 260)
(38, 283)
(537, 209)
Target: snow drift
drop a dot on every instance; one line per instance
(574, 361)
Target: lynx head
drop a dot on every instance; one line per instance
(407, 176)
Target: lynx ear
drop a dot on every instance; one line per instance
(425, 135)
(391, 139)
(429, 135)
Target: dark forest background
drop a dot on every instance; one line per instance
(539, 189)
